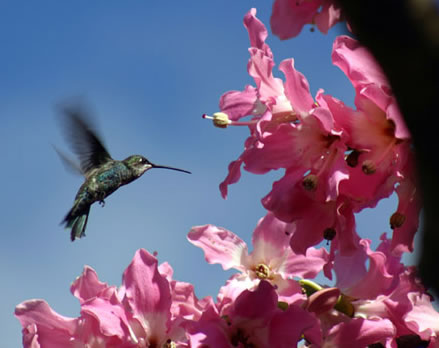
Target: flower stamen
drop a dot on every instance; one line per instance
(397, 220)
(221, 120)
(262, 271)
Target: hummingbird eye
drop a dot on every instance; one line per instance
(143, 161)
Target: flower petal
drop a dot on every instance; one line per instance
(219, 246)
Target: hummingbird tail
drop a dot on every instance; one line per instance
(77, 224)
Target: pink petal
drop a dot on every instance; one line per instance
(277, 150)
(323, 301)
(232, 178)
(409, 205)
(219, 246)
(289, 16)
(359, 332)
(41, 324)
(259, 304)
(327, 17)
(87, 285)
(296, 87)
(260, 67)
(350, 269)
(423, 318)
(110, 317)
(375, 282)
(357, 63)
(238, 104)
(235, 286)
(166, 270)
(269, 238)
(285, 335)
(280, 199)
(325, 118)
(306, 266)
(184, 302)
(341, 113)
(393, 113)
(209, 331)
(256, 31)
(30, 337)
(146, 291)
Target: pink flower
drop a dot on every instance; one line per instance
(289, 16)
(381, 142)
(42, 327)
(136, 315)
(271, 259)
(254, 319)
(288, 129)
(379, 303)
(338, 161)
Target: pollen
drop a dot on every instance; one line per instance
(397, 220)
(170, 344)
(310, 182)
(329, 233)
(352, 158)
(368, 167)
(262, 271)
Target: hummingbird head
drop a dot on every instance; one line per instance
(139, 165)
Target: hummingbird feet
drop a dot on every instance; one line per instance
(102, 203)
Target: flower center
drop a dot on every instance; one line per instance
(262, 271)
(169, 344)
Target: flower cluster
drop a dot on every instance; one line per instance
(338, 160)
(271, 302)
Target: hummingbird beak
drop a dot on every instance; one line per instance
(172, 168)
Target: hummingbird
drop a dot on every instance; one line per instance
(103, 174)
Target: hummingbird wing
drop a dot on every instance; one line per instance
(83, 139)
(70, 164)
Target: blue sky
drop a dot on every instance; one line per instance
(149, 70)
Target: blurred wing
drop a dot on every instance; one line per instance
(83, 139)
(69, 163)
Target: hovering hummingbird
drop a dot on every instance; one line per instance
(103, 174)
